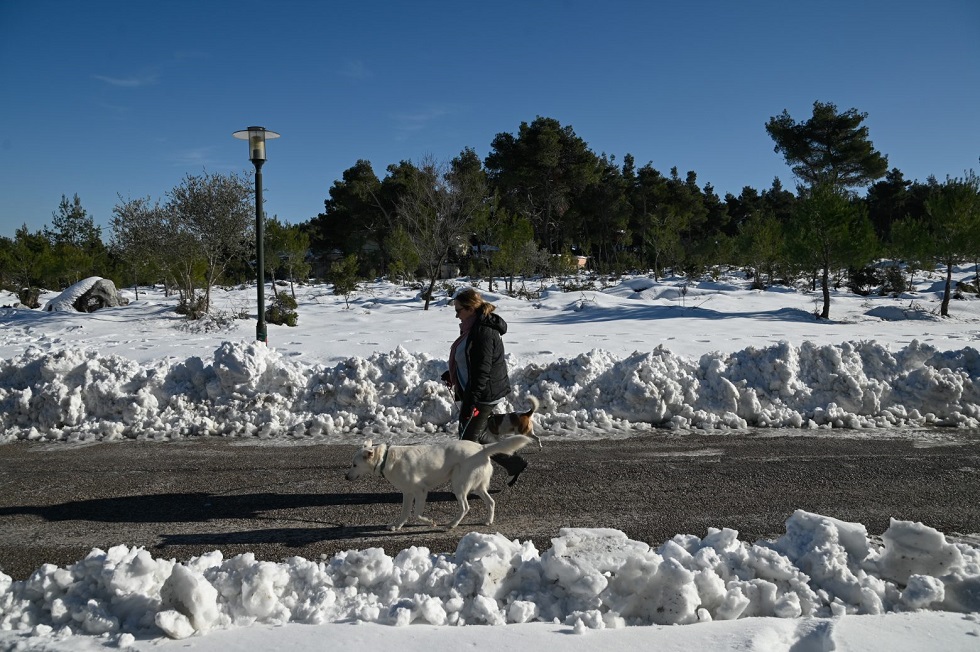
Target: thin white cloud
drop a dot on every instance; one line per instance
(137, 81)
(117, 110)
(198, 157)
(203, 158)
(411, 123)
(356, 69)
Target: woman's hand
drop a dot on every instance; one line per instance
(457, 390)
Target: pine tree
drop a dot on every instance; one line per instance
(954, 213)
(830, 148)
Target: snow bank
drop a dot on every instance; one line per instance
(248, 389)
(589, 578)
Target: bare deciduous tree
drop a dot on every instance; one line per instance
(439, 204)
(206, 224)
(286, 248)
(212, 216)
(137, 236)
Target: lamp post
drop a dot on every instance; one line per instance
(256, 137)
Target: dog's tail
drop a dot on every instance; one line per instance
(506, 446)
(534, 406)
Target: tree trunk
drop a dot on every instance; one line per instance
(825, 281)
(944, 310)
(428, 293)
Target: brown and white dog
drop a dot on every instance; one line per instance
(512, 423)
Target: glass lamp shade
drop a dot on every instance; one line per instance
(256, 137)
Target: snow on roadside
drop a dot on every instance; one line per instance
(123, 374)
(250, 390)
(589, 578)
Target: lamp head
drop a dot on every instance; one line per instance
(256, 137)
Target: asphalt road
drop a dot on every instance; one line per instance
(184, 498)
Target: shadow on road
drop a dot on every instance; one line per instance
(200, 506)
(288, 537)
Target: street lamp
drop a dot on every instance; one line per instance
(256, 137)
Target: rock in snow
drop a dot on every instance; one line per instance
(88, 295)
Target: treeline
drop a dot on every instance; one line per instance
(542, 197)
(539, 201)
(200, 235)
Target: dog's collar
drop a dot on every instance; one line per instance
(384, 460)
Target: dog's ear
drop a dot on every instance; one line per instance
(367, 444)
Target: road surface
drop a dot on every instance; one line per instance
(183, 498)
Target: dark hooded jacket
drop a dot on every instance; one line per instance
(488, 379)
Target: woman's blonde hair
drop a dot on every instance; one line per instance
(470, 299)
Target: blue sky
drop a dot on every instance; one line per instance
(107, 98)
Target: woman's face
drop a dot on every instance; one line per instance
(462, 313)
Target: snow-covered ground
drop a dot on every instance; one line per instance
(605, 362)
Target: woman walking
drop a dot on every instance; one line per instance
(478, 372)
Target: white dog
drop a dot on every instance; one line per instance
(416, 470)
